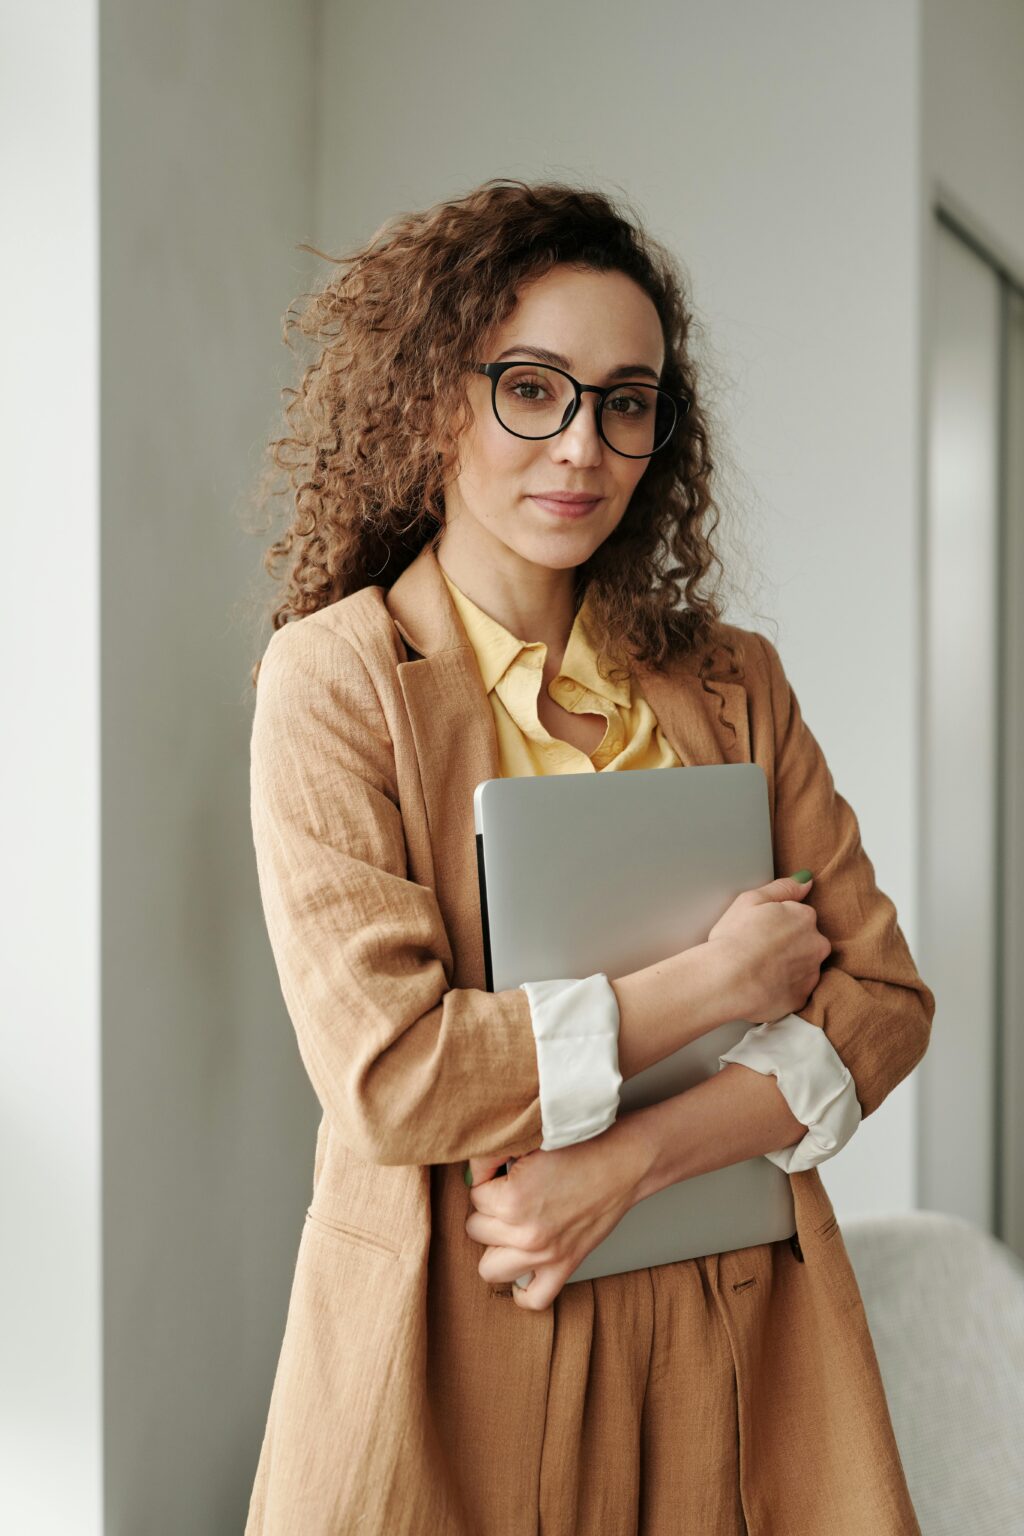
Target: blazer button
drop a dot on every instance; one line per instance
(794, 1243)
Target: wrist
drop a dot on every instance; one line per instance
(721, 962)
(640, 1152)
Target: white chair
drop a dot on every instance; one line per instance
(945, 1305)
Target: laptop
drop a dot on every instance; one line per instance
(610, 872)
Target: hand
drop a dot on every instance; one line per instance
(773, 947)
(552, 1209)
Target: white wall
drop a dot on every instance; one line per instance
(50, 1398)
(776, 149)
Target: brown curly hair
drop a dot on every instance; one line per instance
(393, 328)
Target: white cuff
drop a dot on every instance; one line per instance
(813, 1080)
(576, 1028)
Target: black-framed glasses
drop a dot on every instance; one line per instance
(537, 400)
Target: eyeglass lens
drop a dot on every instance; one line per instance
(534, 401)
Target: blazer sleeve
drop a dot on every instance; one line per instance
(408, 1069)
(873, 1006)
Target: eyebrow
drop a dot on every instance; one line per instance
(624, 371)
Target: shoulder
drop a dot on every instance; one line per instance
(354, 636)
(739, 655)
(334, 668)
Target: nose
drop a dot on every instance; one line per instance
(580, 442)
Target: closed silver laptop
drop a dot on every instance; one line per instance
(610, 872)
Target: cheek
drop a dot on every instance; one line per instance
(628, 475)
(497, 461)
(503, 451)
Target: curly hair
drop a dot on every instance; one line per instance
(393, 328)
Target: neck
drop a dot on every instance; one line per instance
(533, 602)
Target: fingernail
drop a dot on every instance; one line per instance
(468, 1176)
(802, 876)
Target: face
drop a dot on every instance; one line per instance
(596, 322)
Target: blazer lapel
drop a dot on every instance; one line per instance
(456, 745)
(695, 721)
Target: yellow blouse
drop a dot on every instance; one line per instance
(512, 670)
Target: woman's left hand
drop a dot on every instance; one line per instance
(552, 1209)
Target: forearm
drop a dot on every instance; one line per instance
(733, 1115)
(668, 1004)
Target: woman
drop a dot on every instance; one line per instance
(450, 622)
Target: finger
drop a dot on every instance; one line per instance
(784, 888)
(492, 1197)
(545, 1286)
(484, 1169)
(501, 1263)
(497, 1232)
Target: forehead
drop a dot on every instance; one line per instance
(598, 319)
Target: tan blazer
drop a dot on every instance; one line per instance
(364, 761)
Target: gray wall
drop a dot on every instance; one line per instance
(972, 69)
(208, 150)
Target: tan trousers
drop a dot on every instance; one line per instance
(631, 1431)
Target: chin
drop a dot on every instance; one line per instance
(560, 553)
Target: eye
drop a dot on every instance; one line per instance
(523, 386)
(623, 404)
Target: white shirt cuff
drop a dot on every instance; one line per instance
(812, 1079)
(576, 1029)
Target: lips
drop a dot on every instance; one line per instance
(565, 504)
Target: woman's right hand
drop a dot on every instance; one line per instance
(773, 950)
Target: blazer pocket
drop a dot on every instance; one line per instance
(345, 1232)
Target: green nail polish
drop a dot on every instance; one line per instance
(802, 876)
(468, 1176)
